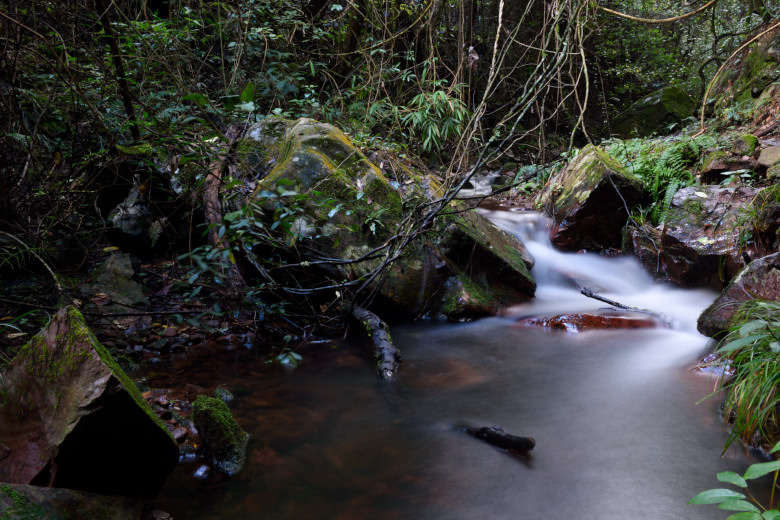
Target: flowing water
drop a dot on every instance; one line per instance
(619, 434)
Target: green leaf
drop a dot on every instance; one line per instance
(715, 496)
(741, 342)
(750, 326)
(745, 516)
(738, 505)
(248, 94)
(761, 469)
(732, 478)
(772, 514)
(198, 99)
(775, 448)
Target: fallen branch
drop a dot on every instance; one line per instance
(387, 356)
(590, 294)
(496, 436)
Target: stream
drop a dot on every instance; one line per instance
(618, 430)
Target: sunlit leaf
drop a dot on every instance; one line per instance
(732, 478)
(715, 496)
(738, 505)
(761, 469)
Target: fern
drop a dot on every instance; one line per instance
(661, 208)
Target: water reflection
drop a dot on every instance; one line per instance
(619, 434)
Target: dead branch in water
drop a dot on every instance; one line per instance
(387, 356)
(496, 436)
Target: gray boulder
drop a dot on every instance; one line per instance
(654, 113)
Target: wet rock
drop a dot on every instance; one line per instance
(72, 418)
(23, 502)
(589, 201)
(699, 243)
(224, 395)
(655, 113)
(590, 321)
(360, 208)
(760, 279)
(224, 441)
(180, 434)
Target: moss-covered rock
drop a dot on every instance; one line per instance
(70, 417)
(654, 113)
(748, 75)
(21, 502)
(223, 439)
(589, 201)
(745, 145)
(349, 209)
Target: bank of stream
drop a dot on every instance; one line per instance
(618, 430)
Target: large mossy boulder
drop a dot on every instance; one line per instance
(753, 69)
(655, 113)
(71, 418)
(224, 441)
(348, 209)
(589, 201)
(699, 242)
(759, 280)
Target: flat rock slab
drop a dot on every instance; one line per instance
(592, 321)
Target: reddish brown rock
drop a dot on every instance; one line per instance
(760, 279)
(580, 322)
(71, 418)
(699, 243)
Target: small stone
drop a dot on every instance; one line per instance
(169, 332)
(180, 434)
(224, 395)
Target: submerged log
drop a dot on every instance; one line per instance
(496, 436)
(386, 354)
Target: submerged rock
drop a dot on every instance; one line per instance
(589, 201)
(349, 210)
(655, 113)
(760, 279)
(699, 243)
(71, 418)
(592, 321)
(223, 439)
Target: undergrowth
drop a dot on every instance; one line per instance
(664, 165)
(752, 348)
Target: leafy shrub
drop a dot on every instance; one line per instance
(753, 350)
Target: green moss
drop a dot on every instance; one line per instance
(223, 438)
(745, 145)
(140, 149)
(21, 507)
(712, 158)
